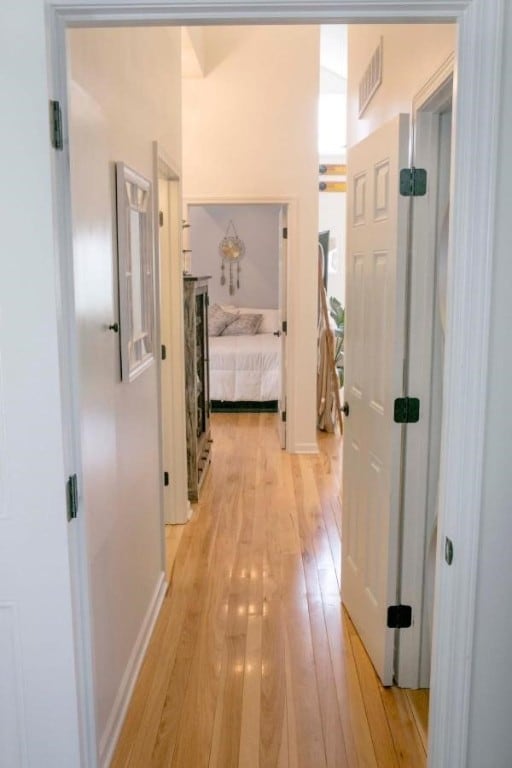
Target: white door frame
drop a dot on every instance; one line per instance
(283, 320)
(163, 168)
(424, 146)
(478, 70)
(290, 203)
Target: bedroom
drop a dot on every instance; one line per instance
(244, 359)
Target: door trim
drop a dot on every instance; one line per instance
(289, 361)
(424, 135)
(479, 55)
(164, 169)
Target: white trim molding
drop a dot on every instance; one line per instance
(189, 12)
(465, 384)
(166, 170)
(475, 164)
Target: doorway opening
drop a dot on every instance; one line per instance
(246, 363)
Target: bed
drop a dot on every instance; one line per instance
(245, 358)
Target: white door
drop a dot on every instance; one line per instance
(283, 241)
(375, 317)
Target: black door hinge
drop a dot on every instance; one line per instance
(164, 352)
(56, 133)
(283, 416)
(285, 233)
(72, 497)
(161, 218)
(166, 478)
(407, 410)
(284, 326)
(413, 182)
(399, 616)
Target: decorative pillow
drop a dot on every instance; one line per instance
(271, 321)
(219, 319)
(271, 317)
(244, 325)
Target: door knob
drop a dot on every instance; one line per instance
(114, 327)
(346, 408)
(277, 333)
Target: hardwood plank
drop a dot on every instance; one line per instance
(197, 721)
(219, 711)
(272, 699)
(291, 720)
(408, 745)
(336, 753)
(144, 712)
(164, 703)
(370, 688)
(310, 743)
(250, 725)
(356, 730)
(419, 705)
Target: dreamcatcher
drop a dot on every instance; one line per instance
(231, 250)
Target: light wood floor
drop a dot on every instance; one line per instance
(253, 662)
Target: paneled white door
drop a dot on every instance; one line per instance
(374, 354)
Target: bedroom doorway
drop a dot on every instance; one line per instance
(247, 355)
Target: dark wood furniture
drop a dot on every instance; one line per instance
(197, 394)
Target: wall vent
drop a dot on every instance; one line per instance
(371, 79)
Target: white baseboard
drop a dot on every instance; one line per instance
(115, 722)
(305, 448)
(184, 517)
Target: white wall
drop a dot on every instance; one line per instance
(250, 130)
(412, 53)
(258, 227)
(125, 92)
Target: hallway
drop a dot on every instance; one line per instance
(253, 662)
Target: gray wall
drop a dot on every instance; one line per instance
(258, 227)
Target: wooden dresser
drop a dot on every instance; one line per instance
(197, 389)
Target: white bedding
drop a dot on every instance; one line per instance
(245, 367)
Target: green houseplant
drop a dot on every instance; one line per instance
(337, 312)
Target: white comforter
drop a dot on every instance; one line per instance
(245, 367)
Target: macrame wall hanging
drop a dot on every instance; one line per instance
(231, 250)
